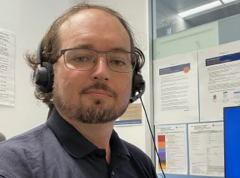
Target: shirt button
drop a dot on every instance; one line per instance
(100, 155)
(112, 173)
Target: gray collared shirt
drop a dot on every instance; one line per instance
(57, 150)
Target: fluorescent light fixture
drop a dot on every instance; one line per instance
(227, 1)
(200, 9)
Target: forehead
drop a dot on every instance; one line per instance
(93, 24)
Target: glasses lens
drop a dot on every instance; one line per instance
(84, 59)
(121, 61)
(80, 59)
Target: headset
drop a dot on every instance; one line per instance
(138, 87)
(43, 75)
(43, 78)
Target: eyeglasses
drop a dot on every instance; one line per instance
(84, 59)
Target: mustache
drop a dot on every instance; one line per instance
(101, 86)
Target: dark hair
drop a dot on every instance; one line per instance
(50, 45)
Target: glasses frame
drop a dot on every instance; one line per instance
(133, 61)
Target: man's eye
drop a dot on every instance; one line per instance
(81, 59)
(117, 62)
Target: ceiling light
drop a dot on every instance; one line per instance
(200, 9)
(227, 1)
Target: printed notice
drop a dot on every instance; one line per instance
(7, 56)
(176, 89)
(219, 83)
(206, 149)
(132, 116)
(172, 148)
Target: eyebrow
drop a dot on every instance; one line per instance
(88, 46)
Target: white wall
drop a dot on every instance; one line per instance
(29, 20)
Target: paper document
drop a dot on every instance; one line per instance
(172, 148)
(132, 116)
(7, 57)
(219, 80)
(206, 149)
(176, 89)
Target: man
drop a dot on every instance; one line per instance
(88, 64)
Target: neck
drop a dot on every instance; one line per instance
(98, 134)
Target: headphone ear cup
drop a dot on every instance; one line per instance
(43, 77)
(138, 87)
(137, 84)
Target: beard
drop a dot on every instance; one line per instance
(91, 114)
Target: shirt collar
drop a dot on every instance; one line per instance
(76, 144)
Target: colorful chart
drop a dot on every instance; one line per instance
(162, 151)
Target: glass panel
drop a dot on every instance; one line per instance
(181, 26)
(169, 19)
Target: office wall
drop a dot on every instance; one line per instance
(211, 40)
(29, 20)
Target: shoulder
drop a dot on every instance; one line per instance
(132, 147)
(140, 158)
(23, 141)
(17, 153)
(135, 151)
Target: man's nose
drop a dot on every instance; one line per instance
(101, 69)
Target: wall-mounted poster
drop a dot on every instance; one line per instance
(172, 148)
(7, 56)
(206, 150)
(176, 89)
(132, 116)
(219, 80)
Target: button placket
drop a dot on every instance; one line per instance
(112, 174)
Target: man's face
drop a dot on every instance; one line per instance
(98, 95)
